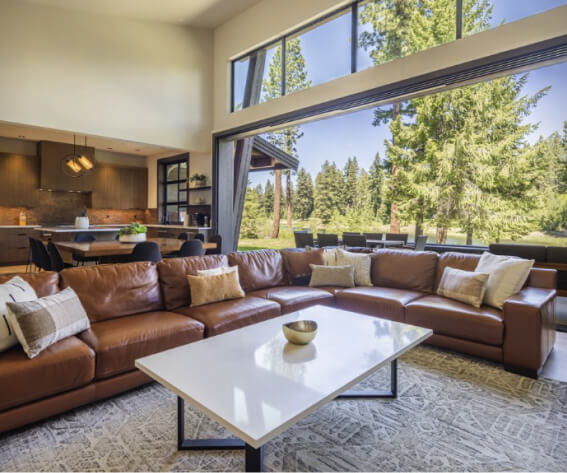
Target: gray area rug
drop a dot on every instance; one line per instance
(453, 413)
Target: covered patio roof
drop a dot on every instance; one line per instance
(267, 157)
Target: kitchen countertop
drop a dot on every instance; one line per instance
(18, 226)
(72, 229)
(181, 227)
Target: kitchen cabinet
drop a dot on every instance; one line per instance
(19, 180)
(14, 245)
(52, 175)
(120, 187)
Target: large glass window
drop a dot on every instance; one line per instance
(172, 186)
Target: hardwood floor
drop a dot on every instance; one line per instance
(555, 368)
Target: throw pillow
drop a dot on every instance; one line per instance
(329, 255)
(43, 322)
(216, 288)
(217, 271)
(15, 290)
(297, 262)
(361, 263)
(342, 276)
(508, 275)
(463, 286)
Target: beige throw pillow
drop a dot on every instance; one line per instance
(342, 276)
(507, 276)
(217, 271)
(15, 290)
(464, 286)
(361, 263)
(43, 322)
(215, 288)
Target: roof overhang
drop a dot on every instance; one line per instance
(267, 157)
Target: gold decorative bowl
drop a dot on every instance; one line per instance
(300, 332)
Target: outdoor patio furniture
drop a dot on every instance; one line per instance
(354, 239)
(303, 239)
(397, 237)
(420, 242)
(327, 239)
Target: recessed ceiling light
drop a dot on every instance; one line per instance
(21, 136)
(137, 149)
(108, 148)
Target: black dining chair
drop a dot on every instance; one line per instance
(215, 251)
(373, 236)
(43, 259)
(420, 242)
(184, 236)
(35, 261)
(146, 251)
(327, 239)
(200, 236)
(351, 233)
(356, 240)
(192, 248)
(84, 237)
(398, 237)
(303, 239)
(57, 263)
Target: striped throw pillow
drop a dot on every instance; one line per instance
(43, 322)
(15, 290)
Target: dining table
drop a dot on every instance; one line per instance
(384, 243)
(101, 249)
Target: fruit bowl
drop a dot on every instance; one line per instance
(300, 332)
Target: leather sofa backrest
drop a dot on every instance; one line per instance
(109, 291)
(259, 269)
(44, 284)
(556, 254)
(535, 252)
(464, 261)
(402, 269)
(173, 276)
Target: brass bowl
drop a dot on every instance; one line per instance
(300, 332)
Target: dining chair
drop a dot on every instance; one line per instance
(146, 251)
(303, 239)
(43, 259)
(327, 239)
(184, 236)
(192, 248)
(373, 236)
(200, 236)
(57, 263)
(420, 242)
(351, 233)
(35, 261)
(215, 251)
(84, 237)
(398, 237)
(356, 240)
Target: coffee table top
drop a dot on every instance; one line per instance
(255, 384)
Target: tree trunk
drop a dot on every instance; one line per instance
(288, 202)
(469, 237)
(441, 235)
(394, 219)
(418, 225)
(277, 201)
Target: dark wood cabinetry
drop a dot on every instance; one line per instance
(19, 180)
(120, 187)
(14, 245)
(52, 175)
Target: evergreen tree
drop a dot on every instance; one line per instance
(269, 198)
(351, 173)
(329, 186)
(304, 200)
(286, 140)
(375, 178)
(251, 216)
(261, 203)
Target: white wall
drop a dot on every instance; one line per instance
(272, 18)
(142, 81)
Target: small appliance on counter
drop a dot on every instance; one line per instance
(22, 219)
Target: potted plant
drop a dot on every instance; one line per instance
(198, 180)
(133, 233)
(82, 221)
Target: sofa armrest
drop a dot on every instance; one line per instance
(529, 329)
(543, 278)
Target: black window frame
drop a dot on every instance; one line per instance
(163, 182)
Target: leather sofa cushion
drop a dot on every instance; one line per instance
(292, 298)
(119, 342)
(173, 274)
(332, 289)
(108, 291)
(44, 283)
(259, 269)
(66, 365)
(456, 319)
(229, 315)
(402, 269)
(383, 302)
(463, 261)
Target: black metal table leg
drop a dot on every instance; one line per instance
(393, 393)
(254, 458)
(200, 444)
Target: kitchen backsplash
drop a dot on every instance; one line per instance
(58, 208)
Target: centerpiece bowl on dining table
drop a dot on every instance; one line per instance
(300, 332)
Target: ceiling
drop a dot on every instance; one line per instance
(34, 133)
(199, 13)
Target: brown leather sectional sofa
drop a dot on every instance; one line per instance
(137, 309)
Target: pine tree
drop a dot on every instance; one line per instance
(251, 216)
(376, 177)
(286, 140)
(269, 198)
(304, 195)
(351, 173)
(261, 201)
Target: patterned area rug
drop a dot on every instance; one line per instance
(453, 413)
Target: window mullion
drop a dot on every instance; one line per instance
(459, 19)
(284, 46)
(354, 37)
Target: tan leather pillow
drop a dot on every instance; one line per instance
(297, 262)
(216, 288)
(342, 276)
(463, 286)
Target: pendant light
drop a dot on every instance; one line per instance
(77, 164)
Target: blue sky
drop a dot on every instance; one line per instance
(327, 55)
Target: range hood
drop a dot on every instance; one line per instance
(52, 176)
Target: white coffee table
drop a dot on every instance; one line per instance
(257, 385)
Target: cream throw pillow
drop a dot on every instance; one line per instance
(41, 323)
(508, 275)
(217, 271)
(342, 276)
(464, 286)
(15, 290)
(215, 288)
(361, 263)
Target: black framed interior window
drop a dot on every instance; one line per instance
(173, 184)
